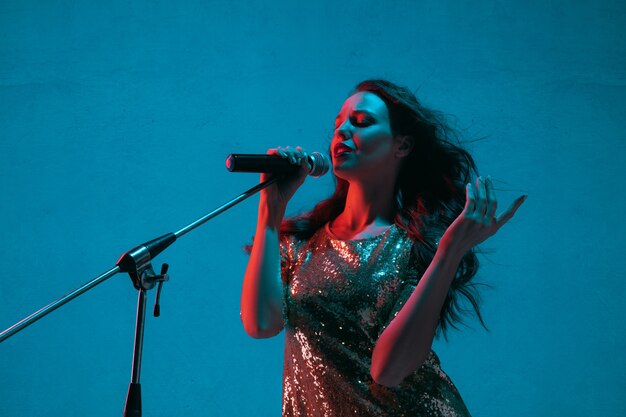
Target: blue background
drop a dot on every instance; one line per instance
(115, 121)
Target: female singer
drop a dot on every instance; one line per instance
(364, 281)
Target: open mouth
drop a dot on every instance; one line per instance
(342, 150)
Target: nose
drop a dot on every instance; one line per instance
(344, 131)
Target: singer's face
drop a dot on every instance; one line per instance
(363, 125)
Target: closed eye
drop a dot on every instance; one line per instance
(360, 121)
(358, 118)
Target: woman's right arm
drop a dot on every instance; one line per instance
(262, 297)
(262, 294)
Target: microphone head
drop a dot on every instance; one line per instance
(320, 164)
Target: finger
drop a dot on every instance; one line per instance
(481, 200)
(299, 154)
(305, 159)
(276, 151)
(506, 215)
(302, 155)
(492, 202)
(469, 198)
(290, 154)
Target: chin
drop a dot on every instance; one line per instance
(347, 173)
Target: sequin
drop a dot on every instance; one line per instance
(338, 298)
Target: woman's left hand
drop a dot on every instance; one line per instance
(477, 221)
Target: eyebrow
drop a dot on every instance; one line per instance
(357, 111)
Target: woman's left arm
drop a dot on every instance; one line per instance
(406, 342)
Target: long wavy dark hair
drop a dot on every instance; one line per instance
(430, 191)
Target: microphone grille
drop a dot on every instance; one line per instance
(320, 164)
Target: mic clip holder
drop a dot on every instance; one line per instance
(137, 263)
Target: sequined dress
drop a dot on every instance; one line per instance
(338, 298)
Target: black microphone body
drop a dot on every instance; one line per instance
(276, 164)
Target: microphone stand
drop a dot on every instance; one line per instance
(137, 263)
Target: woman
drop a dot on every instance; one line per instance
(364, 281)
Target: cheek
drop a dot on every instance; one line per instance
(375, 145)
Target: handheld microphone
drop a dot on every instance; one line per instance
(276, 164)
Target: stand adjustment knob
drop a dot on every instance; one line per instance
(162, 277)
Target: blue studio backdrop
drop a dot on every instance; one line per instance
(115, 121)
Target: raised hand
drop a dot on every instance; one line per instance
(277, 195)
(478, 220)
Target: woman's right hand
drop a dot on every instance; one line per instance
(277, 195)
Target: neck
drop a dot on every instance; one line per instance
(365, 205)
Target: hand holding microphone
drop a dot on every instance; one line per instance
(292, 164)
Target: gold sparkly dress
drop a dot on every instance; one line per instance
(338, 298)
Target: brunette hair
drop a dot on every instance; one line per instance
(430, 191)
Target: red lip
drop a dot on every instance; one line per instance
(341, 147)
